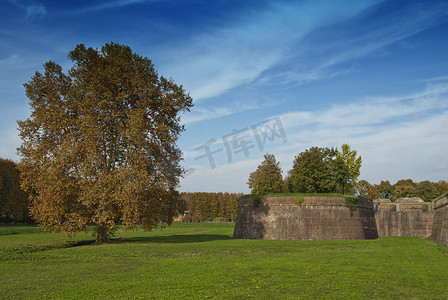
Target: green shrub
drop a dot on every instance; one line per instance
(351, 202)
(257, 200)
(299, 200)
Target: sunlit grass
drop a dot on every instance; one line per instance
(196, 261)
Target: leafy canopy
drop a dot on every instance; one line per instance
(267, 178)
(13, 200)
(426, 190)
(311, 172)
(348, 166)
(324, 170)
(100, 144)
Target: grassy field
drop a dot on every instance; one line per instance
(199, 261)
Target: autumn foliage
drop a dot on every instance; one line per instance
(403, 188)
(100, 144)
(13, 200)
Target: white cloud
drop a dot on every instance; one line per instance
(317, 61)
(237, 55)
(398, 138)
(373, 110)
(270, 46)
(32, 8)
(201, 114)
(228, 177)
(434, 79)
(110, 5)
(414, 150)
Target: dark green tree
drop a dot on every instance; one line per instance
(13, 200)
(341, 175)
(312, 172)
(404, 188)
(100, 144)
(384, 190)
(267, 178)
(442, 187)
(365, 189)
(427, 190)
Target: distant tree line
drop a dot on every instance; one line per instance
(193, 206)
(403, 188)
(197, 207)
(13, 200)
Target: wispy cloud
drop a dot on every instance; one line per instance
(434, 79)
(31, 8)
(398, 137)
(374, 110)
(110, 5)
(273, 45)
(212, 113)
(222, 181)
(317, 59)
(225, 58)
(207, 112)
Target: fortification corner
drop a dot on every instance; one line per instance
(440, 225)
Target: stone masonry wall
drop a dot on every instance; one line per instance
(440, 226)
(317, 218)
(404, 219)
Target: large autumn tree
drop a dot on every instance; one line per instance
(100, 144)
(267, 178)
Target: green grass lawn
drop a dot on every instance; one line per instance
(187, 261)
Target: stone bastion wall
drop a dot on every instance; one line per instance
(404, 217)
(312, 218)
(440, 225)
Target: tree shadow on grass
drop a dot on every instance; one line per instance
(175, 238)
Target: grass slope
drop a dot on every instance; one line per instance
(197, 261)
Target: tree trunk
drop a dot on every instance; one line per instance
(101, 233)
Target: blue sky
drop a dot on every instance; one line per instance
(266, 77)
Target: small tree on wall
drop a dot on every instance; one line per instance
(267, 178)
(325, 170)
(312, 172)
(347, 167)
